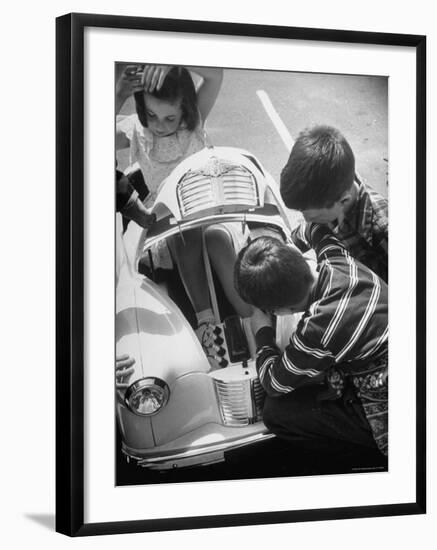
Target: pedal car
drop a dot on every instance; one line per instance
(176, 410)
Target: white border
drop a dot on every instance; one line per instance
(103, 501)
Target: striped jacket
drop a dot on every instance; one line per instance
(345, 324)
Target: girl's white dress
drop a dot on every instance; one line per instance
(157, 157)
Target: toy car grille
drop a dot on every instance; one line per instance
(198, 190)
(240, 402)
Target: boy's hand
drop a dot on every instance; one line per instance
(148, 220)
(259, 320)
(136, 211)
(154, 76)
(123, 371)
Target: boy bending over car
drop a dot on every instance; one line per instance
(319, 180)
(330, 384)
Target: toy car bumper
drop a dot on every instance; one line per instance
(206, 445)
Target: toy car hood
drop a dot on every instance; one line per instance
(215, 185)
(214, 181)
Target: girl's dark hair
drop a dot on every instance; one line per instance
(270, 274)
(178, 85)
(321, 167)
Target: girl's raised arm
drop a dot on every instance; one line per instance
(128, 80)
(209, 89)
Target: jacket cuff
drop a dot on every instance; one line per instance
(265, 337)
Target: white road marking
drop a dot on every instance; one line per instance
(282, 130)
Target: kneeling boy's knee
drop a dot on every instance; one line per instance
(290, 413)
(273, 412)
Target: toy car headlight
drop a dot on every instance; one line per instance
(147, 396)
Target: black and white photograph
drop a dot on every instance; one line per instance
(251, 273)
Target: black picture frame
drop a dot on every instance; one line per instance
(70, 273)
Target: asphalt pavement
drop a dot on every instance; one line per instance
(356, 105)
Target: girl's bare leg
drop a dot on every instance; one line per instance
(187, 253)
(223, 256)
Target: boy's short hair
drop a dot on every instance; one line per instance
(271, 274)
(177, 85)
(321, 167)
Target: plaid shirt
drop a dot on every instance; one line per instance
(364, 231)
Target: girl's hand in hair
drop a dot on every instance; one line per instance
(131, 80)
(154, 76)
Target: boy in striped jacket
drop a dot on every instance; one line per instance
(330, 383)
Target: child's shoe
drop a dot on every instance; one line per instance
(205, 334)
